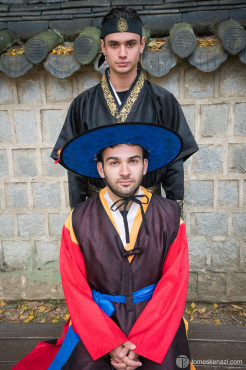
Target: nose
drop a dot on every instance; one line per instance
(122, 51)
(124, 169)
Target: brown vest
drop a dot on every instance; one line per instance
(107, 266)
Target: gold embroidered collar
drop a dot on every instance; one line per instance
(125, 109)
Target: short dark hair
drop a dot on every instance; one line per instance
(124, 12)
(99, 157)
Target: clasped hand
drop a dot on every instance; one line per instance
(123, 357)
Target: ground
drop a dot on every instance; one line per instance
(54, 311)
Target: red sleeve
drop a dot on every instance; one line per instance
(97, 331)
(154, 330)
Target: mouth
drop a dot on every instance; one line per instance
(122, 64)
(125, 182)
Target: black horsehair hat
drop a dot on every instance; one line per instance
(79, 154)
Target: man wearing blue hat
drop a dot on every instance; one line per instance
(125, 96)
(124, 257)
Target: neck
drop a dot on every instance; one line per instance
(124, 81)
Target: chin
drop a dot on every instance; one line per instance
(127, 192)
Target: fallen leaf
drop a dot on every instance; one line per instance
(25, 307)
(202, 310)
(34, 304)
(237, 307)
(30, 318)
(217, 322)
(30, 313)
(15, 51)
(41, 308)
(1, 311)
(51, 309)
(66, 317)
(192, 310)
(156, 45)
(24, 317)
(62, 50)
(3, 303)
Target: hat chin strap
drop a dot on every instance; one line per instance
(124, 201)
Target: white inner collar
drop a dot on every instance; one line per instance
(131, 215)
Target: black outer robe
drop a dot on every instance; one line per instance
(149, 103)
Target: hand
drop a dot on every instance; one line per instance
(123, 357)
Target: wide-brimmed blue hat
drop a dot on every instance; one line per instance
(79, 155)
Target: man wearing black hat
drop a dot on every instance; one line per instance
(125, 96)
(124, 258)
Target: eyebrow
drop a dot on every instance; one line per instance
(118, 42)
(117, 158)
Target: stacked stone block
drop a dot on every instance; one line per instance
(33, 190)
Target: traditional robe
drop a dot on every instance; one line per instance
(145, 102)
(96, 258)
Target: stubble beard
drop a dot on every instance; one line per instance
(118, 190)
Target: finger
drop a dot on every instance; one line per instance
(132, 368)
(123, 352)
(133, 355)
(118, 365)
(134, 363)
(129, 345)
(115, 354)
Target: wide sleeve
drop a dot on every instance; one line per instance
(173, 180)
(171, 116)
(175, 119)
(97, 331)
(154, 330)
(78, 188)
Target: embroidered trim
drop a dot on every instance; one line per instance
(130, 100)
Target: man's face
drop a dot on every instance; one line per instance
(123, 168)
(122, 51)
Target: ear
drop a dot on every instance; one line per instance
(103, 47)
(145, 166)
(142, 45)
(100, 169)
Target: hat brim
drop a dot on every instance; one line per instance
(78, 155)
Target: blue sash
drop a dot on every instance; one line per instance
(104, 301)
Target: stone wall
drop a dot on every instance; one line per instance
(33, 190)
